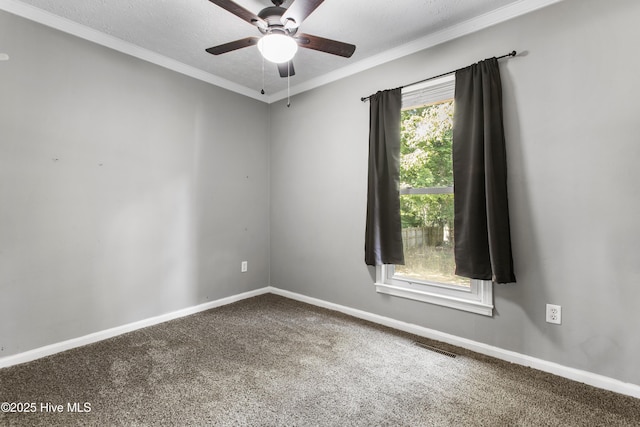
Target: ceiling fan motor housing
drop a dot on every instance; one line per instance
(269, 21)
(272, 16)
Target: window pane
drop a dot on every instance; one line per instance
(426, 144)
(427, 219)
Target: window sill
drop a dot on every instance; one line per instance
(481, 303)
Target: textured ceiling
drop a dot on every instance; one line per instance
(182, 29)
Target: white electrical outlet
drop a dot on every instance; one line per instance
(554, 314)
(243, 267)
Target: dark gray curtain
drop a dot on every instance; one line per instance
(481, 222)
(383, 235)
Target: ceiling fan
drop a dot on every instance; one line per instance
(280, 38)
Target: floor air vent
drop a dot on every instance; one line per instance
(435, 349)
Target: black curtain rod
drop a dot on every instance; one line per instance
(512, 53)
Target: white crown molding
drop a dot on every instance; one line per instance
(50, 20)
(596, 380)
(478, 23)
(464, 28)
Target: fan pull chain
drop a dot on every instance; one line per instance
(288, 84)
(262, 90)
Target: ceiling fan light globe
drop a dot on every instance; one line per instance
(277, 48)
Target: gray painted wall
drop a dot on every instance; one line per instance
(573, 146)
(126, 190)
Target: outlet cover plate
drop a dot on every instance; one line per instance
(554, 314)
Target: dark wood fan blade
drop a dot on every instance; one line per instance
(325, 45)
(299, 10)
(286, 69)
(235, 45)
(240, 12)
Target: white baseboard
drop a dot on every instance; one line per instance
(48, 350)
(589, 378)
(595, 380)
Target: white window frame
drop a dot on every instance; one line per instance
(476, 298)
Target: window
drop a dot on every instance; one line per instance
(426, 207)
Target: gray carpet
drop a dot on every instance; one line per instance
(271, 361)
